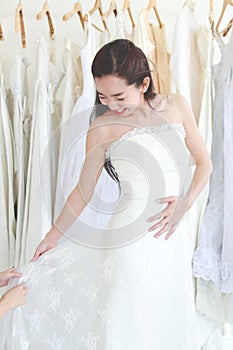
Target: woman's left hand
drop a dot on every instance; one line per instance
(169, 217)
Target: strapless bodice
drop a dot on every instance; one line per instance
(151, 163)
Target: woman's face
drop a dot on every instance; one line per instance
(121, 98)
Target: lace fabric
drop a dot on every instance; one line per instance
(131, 297)
(149, 129)
(213, 257)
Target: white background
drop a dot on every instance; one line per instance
(168, 10)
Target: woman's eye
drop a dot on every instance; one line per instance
(101, 97)
(121, 99)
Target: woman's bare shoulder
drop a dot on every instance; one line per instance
(170, 107)
(102, 122)
(101, 130)
(176, 99)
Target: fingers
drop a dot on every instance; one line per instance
(42, 248)
(167, 199)
(170, 230)
(171, 200)
(19, 295)
(22, 287)
(6, 275)
(164, 229)
(155, 217)
(14, 273)
(36, 255)
(15, 296)
(158, 224)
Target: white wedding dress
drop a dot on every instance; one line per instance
(118, 288)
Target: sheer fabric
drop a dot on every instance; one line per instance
(125, 289)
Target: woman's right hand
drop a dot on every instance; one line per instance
(49, 242)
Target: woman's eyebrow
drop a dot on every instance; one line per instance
(118, 94)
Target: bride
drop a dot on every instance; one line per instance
(127, 286)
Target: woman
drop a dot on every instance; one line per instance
(120, 288)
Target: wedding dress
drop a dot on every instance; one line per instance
(117, 288)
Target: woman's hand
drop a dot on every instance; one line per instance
(169, 218)
(6, 275)
(49, 242)
(14, 297)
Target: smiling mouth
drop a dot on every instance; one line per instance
(120, 112)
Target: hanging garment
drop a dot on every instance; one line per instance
(18, 87)
(42, 166)
(117, 31)
(120, 34)
(75, 131)
(205, 54)
(161, 60)
(136, 294)
(7, 198)
(205, 51)
(212, 262)
(152, 40)
(184, 62)
(124, 26)
(67, 93)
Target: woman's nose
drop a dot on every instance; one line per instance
(113, 106)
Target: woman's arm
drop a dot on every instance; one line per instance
(83, 191)
(198, 150)
(177, 206)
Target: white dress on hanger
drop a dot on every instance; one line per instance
(186, 72)
(205, 52)
(152, 40)
(68, 92)
(124, 26)
(18, 87)
(143, 36)
(125, 289)
(42, 165)
(7, 224)
(212, 262)
(75, 143)
(184, 61)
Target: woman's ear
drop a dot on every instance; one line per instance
(145, 84)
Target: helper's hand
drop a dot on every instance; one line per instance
(14, 297)
(6, 275)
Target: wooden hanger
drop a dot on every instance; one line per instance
(225, 31)
(19, 23)
(126, 6)
(112, 8)
(224, 6)
(39, 16)
(97, 6)
(77, 9)
(1, 33)
(211, 14)
(152, 5)
(190, 4)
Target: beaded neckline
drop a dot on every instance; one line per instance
(145, 129)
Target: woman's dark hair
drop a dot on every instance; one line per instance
(122, 59)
